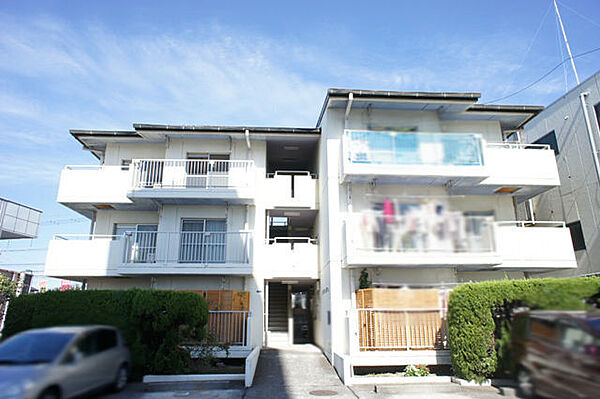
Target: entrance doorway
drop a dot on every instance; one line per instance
(289, 312)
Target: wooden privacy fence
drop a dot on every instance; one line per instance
(407, 329)
(401, 319)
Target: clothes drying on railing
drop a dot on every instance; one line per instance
(421, 228)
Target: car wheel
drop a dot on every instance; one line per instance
(50, 393)
(121, 378)
(526, 388)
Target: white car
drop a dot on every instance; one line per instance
(62, 362)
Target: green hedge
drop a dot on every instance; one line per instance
(479, 325)
(152, 321)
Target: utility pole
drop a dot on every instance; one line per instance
(562, 27)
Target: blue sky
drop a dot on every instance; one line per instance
(106, 65)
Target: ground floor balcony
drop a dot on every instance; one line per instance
(393, 327)
(456, 240)
(150, 252)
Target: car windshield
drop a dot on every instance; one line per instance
(33, 347)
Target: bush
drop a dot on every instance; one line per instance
(420, 370)
(479, 318)
(153, 322)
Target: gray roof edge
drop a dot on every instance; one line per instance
(229, 129)
(525, 109)
(102, 133)
(453, 96)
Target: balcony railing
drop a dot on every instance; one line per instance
(405, 329)
(450, 232)
(188, 247)
(412, 149)
(190, 173)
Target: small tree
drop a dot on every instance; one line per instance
(8, 289)
(363, 280)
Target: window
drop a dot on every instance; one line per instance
(597, 112)
(576, 235)
(203, 241)
(140, 241)
(207, 170)
(549, 139)
(107, 339)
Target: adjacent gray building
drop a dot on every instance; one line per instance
(570, 127)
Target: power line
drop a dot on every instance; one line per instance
(543, 76)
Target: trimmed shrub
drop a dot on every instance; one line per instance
(153, 322)
(479, 318)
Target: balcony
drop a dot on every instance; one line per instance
(186, 181)
(150, 253)
(84, 255)
(466, 242)
(94, 184)
(291, 257)
(412, 158)
(525, 170)
(187, 252)
(418, 239)
(291, 189)
(535, 246)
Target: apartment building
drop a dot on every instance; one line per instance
(414, 192)
(570, 125)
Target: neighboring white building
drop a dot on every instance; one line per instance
(420, 190)
(564, 126)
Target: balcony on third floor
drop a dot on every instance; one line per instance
(193, 181)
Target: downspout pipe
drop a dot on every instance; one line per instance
(588, 126)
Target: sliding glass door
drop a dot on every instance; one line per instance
(203, 241)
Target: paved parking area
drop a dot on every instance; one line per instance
(302, 372)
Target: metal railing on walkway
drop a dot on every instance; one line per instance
(229, 327)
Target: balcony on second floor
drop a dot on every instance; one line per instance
(457, 240)
(291, 257)
(150, 252)
(417, 239)
(193, 181)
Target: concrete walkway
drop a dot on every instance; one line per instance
(293, 373)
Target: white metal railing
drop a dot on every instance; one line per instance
(420, 232)
(530, 223)
(520, 146)
(188, 247)
(191, 173)
(382, 329)
(230, 327)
